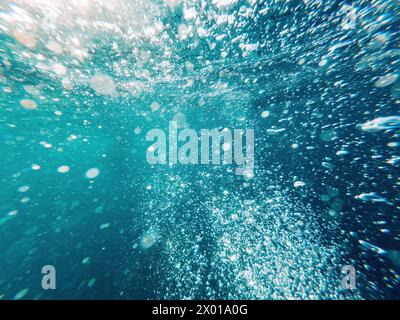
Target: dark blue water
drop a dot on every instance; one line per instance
(82, 84)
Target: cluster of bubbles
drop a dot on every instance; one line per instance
(318, 81)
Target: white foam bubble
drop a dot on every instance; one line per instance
(55, 47)
(155, 106)
(381, 123)
(298, 184)
(92, 173)
(63, 169)
(386, 80)
(25, 38)
(265, 114)
(103, 84)
(28, 104)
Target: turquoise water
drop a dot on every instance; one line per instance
(82, 83)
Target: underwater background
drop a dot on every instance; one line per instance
(83, 81)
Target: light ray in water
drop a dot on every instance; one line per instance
(83, 82)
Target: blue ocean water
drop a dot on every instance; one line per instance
(81, 84)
